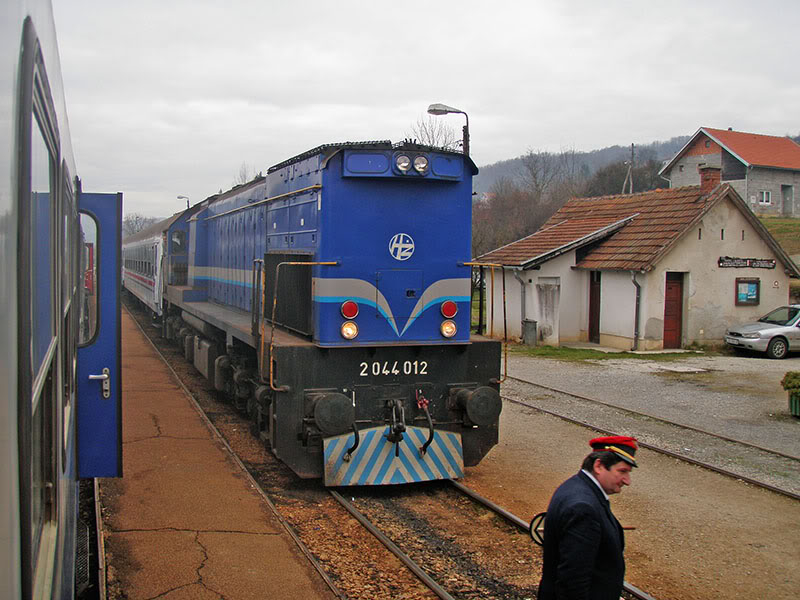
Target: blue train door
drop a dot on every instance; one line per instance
(99, 402)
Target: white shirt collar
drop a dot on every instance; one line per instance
(597, 483)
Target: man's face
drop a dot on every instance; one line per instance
(613, 478)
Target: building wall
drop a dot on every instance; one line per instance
(771, 180)
(702, 151)
(617, 307)
(555, 296)
(709, 304)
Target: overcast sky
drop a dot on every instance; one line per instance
(169, 98)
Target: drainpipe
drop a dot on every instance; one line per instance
(522, 295)
(636, 311)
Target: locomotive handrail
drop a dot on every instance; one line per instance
(255, 302)
(329, 263)
(492, 267)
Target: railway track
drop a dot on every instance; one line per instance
(435, 584)
(459, 570)
(647, 425)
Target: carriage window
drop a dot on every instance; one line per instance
(89, 285)
(42, 300)
(42, 283)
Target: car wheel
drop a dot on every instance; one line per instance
(777, 348)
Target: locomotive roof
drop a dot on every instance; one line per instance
(153, 230)
(158, 228)
(330, 149)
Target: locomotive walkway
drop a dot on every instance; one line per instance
(184, 520)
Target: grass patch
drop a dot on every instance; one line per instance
(785, 231)
(585, 354)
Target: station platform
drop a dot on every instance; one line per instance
(184, 521)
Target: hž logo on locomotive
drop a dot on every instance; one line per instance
(401, 246)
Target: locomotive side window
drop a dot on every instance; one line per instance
(179, 242)
(89, 288)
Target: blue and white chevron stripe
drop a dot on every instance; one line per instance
(374, 461)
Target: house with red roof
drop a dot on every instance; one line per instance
(653, 270)
(763, 169)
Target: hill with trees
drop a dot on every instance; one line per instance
(513, 198)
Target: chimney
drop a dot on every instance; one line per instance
(710, 178)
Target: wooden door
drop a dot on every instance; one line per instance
(594, 307)
(673, 310)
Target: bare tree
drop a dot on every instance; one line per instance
(433, 131)
(539, 170)
(135, 222)
(245, 174)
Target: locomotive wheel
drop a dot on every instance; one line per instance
(536, 528)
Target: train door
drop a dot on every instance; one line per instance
(99, 405)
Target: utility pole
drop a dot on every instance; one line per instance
(629, 175)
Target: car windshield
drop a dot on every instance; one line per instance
(780, 316)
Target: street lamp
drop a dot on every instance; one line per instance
(184, 198)
(442, 109)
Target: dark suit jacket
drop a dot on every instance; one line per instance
(583, 545)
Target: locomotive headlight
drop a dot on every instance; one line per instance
(448, 328)
(421, 165)
(349, 330)
(403, 163)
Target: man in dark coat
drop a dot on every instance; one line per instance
(583, 541)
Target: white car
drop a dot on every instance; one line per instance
(776, 333)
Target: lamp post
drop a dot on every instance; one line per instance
(442, 109)
(184, 198)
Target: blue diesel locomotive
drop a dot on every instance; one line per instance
(60, 417)
(331, 300)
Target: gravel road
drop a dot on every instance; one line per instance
(699, 535)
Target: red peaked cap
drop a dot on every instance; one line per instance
(623, 446)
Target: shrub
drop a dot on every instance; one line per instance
(791, 380)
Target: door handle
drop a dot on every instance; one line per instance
(106, 379)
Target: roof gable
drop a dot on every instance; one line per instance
(751, 149)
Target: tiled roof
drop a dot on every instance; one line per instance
(663, 215)
(646, 225)
(758, 150)
(550, 238)
(625, 232)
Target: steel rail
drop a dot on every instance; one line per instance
(655, 418)
(393, 548)
(523, 525)
(669, 453)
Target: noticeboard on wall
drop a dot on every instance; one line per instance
(747, 291)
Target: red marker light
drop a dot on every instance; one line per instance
(449, 309)
(349, 309)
